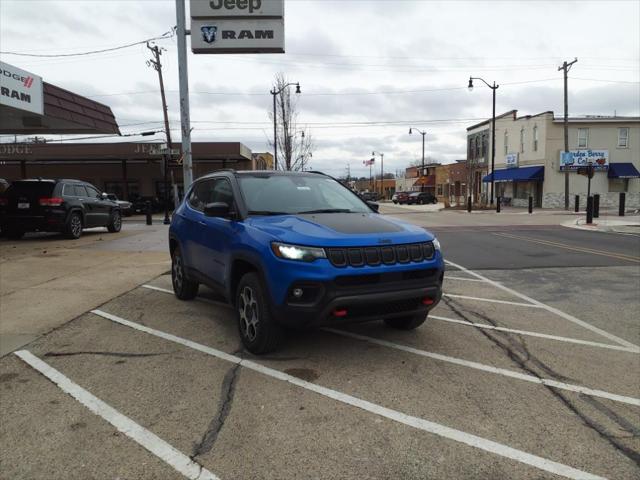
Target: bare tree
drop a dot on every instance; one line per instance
(295, 144)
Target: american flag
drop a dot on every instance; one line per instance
(366, 163)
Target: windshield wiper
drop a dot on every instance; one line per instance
(266, 212)
(328, 210)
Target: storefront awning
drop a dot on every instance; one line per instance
(623, 170)
(524, 174)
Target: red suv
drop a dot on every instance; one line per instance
(400, 197)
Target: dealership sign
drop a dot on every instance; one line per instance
(21, 89)
(237, 26)
(575, 159)
(511, 160)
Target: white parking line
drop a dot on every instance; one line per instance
(491, 300)
(554, 310)
(154, 444)
(488, 368)
(535, 334)
(415, 422)
(463, 279)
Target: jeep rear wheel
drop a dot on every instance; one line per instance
(259, 331)
(183, 288)
(73, 228)
(406, 323)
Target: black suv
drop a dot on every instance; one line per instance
(65, 206)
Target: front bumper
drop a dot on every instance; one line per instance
(337, 302)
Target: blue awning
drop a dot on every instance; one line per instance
(623, 170)
(524, 174)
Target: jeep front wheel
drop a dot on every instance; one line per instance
(259, 331)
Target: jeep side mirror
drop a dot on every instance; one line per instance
(104, 196)
(217, 209)
(374, 206)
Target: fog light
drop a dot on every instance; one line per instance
(298, 292)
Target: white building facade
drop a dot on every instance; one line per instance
(528, 158)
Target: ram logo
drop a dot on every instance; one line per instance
(209, 33)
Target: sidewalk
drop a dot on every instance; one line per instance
(627, 225)
(47, 280)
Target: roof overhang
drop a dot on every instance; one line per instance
(64, 113)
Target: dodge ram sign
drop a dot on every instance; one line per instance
(20, 89)
(237, 26)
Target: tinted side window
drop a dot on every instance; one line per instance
(68, 190)
(222, 192)
(92, 191)
(79, 191)
(200, 194)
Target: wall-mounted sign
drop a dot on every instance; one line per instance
(511, 160)
(21, 89)
(575, 159)
(237, 26)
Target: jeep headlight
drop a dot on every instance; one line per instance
(436, 243)
(297, 252)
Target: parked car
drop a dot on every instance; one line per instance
(125, 207)
(3, 185)
(298, 249)
(65, 206)
(400, 197)
(421, 198)
(369, 196)
(139, 205)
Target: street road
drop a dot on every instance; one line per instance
(528, 369)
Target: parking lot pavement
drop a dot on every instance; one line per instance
(47, 280)
(530, 392)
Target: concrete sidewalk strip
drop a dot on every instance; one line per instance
(151, 442)
(551, 309)
(411, 421)
(535, 334)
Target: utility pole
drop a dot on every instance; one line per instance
(157, 66)
(187, 168)
(381, 172)
(566, 67)
(423, 133)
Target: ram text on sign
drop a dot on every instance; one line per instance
(237, 36)
(581, 158)
(21, 89)
(237, 8)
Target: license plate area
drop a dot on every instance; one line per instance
(24, 205)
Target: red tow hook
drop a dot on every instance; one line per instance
(427, 301)
(340, 313)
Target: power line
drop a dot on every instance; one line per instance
(164, 36)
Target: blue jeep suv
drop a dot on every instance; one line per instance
(300, 249)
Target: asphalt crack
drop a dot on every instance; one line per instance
(106, 354)
(631, 454)
(224, 407)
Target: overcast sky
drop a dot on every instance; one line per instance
(359, 62)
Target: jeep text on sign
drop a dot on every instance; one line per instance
(237, 36)
(20, 89)
(237, 8)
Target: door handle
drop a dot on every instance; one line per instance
(201, 222)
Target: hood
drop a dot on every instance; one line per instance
(339, 229)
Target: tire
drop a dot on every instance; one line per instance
(406, 323)
(14, 233)
(73, 227)
(115, 222)
(258, 329)
(183, 287)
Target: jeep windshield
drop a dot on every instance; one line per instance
(298, 194)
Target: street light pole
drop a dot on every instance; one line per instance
(422, 172)
(275, 92)
(493, 87)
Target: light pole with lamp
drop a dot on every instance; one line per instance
(493, 87)
(381, 171)
(422, 171)
(275, 93)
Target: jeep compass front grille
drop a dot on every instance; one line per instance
(387, 255)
